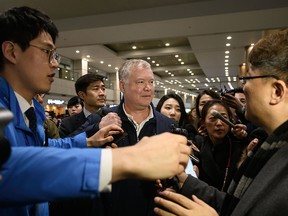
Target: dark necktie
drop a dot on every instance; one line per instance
(31, 115)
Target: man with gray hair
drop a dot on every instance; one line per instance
(139, 119)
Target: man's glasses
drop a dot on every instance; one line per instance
(245, 78)
(51, 53)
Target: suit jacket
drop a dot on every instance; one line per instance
(71, 123)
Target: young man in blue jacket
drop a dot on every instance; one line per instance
(33, 173)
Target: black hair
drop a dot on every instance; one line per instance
(84, 81)
(211, 103)
(21, 25)
(211, 93)
(74, 101)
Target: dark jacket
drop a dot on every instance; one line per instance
(135, 197)
(71, 123)
(267, 194)
(218, 161)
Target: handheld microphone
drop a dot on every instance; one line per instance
(216, 114)
(5, 150)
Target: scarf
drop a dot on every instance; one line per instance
(252, 166)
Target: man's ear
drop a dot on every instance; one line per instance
(81, 94)
(8, 50)
(121, 86)
(279, 92)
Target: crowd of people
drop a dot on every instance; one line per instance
(125, 160)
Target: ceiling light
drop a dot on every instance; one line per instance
(182, 63)
(88, 56)
(227, 52)
(134, 47)
(116, 68)
(148, 58)
(176, 56)
(109, 65)
(102, 62)
(157, 65)
(179, 59)
(226, 60)
(252, 44)
(226, 56)
(226, 68)
(229, 38)
(166, 71)
(226, 64)
(167, 44)
(153, 62)
(228, 44)
(77, 51)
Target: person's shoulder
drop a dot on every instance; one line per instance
(160, 117)
(73, 117)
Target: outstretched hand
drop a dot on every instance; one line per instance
(173, 204)
(157, 157)
(104, 135)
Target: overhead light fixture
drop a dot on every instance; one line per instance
(167, 44)
(77, 51)
(88, 56)
(134, 47)
(229, 38)
(228, 44)
(227, 52)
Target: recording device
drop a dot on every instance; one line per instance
(174, 182)
(5, 149)
(182, 131)
(216, 114)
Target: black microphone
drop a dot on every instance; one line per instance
(5, 149)
(216, 114)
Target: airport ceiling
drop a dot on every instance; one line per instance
(184, 40)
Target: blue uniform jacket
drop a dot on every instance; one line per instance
(38, 173)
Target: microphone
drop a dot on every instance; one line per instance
(5, 149)
(216, 114)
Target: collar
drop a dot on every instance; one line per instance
(24, 105)
(86, 112)
(130, 117)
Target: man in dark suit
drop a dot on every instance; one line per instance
(91, 89)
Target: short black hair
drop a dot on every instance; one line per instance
(23, 24)
(84, 81)
(74, 101)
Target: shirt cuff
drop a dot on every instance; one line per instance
(105, 170)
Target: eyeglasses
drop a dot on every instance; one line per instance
(243, 79)
(52, 54)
